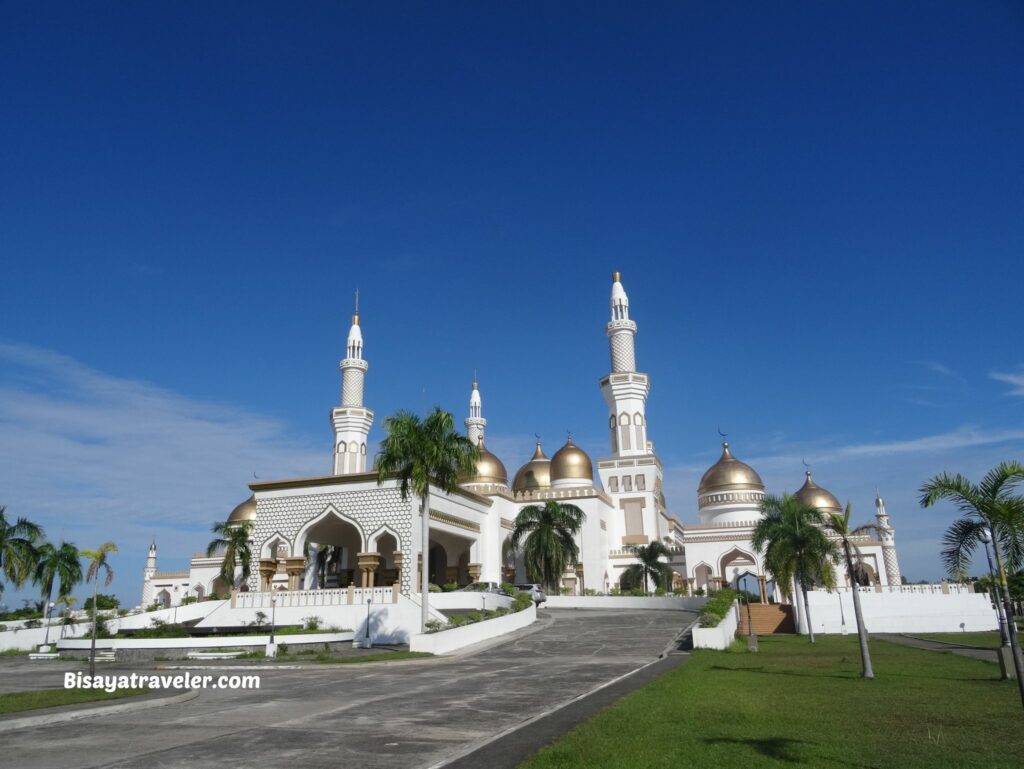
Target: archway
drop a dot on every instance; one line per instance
(336, 542)
(387, 572)
(163, 598)
(702, 576)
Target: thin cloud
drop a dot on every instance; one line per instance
(1015, 380)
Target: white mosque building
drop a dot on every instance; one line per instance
(374, 536)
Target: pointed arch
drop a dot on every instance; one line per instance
(328, 512)
(266, 550)
(374, 538)
(737, 558)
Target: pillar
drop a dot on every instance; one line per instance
(368, 563)
(762, 587)
(268, 568)
(295, 567)
(399, 560)
(579, 577)
(474, 571)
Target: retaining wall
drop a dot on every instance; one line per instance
(447, 641)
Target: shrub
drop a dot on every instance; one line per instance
(456, 619)
(508, 588)
(103, 601)
(312, 623)
(589, 591)
(474, 616)
(637, 592)
(188, 599)
(261, 619)
(218, 596)
(161, 629)
(433, 625)
(699, 591)
(33, 623)
(659, 591)
(3, 628)
(434, 588)
(615, 590)
(501, 612)
(283, 648)
(153, 606)
(714, 611)
(681, 591)
(522, 601)
(448, 587)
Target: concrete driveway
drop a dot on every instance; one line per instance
(395, 715)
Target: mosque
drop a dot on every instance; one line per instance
(343, 529)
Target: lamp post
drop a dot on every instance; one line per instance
(46, 640)
(273, 617)
(1004, 634)
(751, 636)
(368, 602)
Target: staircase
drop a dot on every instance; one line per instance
(767, 619)
(106, 655)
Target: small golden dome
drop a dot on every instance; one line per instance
(571, 461)
(812, 495)
(729, 474)
(535, 474)
(489, 469)
(246, 511)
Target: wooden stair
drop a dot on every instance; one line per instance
(767, 619)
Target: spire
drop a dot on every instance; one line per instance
(352, 420)
(619, 301)
(355, 335)
(475, 422)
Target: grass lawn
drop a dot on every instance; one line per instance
(51, 698)
(987, 639)
(799, 705)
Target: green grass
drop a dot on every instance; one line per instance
(798, 705)
(988, 639)
(52, 698)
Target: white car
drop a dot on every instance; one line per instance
(535, 591)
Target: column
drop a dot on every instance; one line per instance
(294, 567)
(268, 567)
(399, 560)
(579, 577)
(368, 563)
(762, 587)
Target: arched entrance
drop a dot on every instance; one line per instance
(334, 543)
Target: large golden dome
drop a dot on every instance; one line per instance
(729, 474)
(489, 469)
(246, 511)
(535, 474)
(813, 495)
(571, 462)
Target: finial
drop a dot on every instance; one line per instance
(355, 317)
(616, 277)
(476, 384)
(537, 436)
(807, 468)
(568, 434)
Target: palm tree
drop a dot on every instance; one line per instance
(97, 565)
(233, 539)
(650, 565)
(420, 452)
(795, 547)
(55, 564)
(839, 525)
(17, 549)
(990, 504)
(547, 535)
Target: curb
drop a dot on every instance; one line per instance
(47, 719)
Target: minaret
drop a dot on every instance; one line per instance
(147, 576)
(888, 536)
(625, 390)
(352, 419)
(475, 422)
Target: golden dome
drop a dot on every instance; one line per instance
(812, 495)
(729, 474)
(489, 469)
(535, 474)
(246, 511)
(571, 461)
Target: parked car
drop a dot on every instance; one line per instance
(535, 591)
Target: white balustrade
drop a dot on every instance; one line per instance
(302, 598)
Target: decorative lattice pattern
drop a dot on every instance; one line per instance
(623, 354)
(892, 565)
(352, 387)
(370, 509)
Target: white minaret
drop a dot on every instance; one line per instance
(352, 420)
(475, 422)
(888, 536)
(147, 576)
(625, 390)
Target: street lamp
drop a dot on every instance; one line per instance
(368, 602)
(46, 640)
(273, 616)
(751, 636)
(1004, 635)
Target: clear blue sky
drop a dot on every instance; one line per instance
(817, 210)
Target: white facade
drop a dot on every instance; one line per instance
(346, 529)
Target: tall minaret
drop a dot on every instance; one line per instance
(625, 390)
(475, 422)
(147, 576)
(888, 536)
(352, 419)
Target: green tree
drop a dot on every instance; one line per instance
(98, 565)
(420, 453)
(650, 566)
(546, 535)
(991, 504)
(233, 540)
(17, 549)
(795, 547)
(840, 526)
(60, 565)
(104, 602)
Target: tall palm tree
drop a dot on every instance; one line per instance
(795, 547)
(56, 564)
(650, 565)
(547, 536)
(420, 452)
(991, 504)
(233, 540)
(839, 525)
(17, 549)
(97, 565)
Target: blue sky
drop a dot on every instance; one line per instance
(817, 210)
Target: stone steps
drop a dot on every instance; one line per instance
(767, 619)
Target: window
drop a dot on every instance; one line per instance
(613, 484)
(641, 483)
(634, 513)
(627, 483)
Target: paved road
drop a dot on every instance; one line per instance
(399, 715)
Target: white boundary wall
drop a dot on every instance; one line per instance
(902, 612)
(720, 636)
(464, 599)
(257, 641)
(447, 641)
(682, 603)
(27, 639)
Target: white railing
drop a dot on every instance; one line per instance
(296, 598)
(951, 588)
